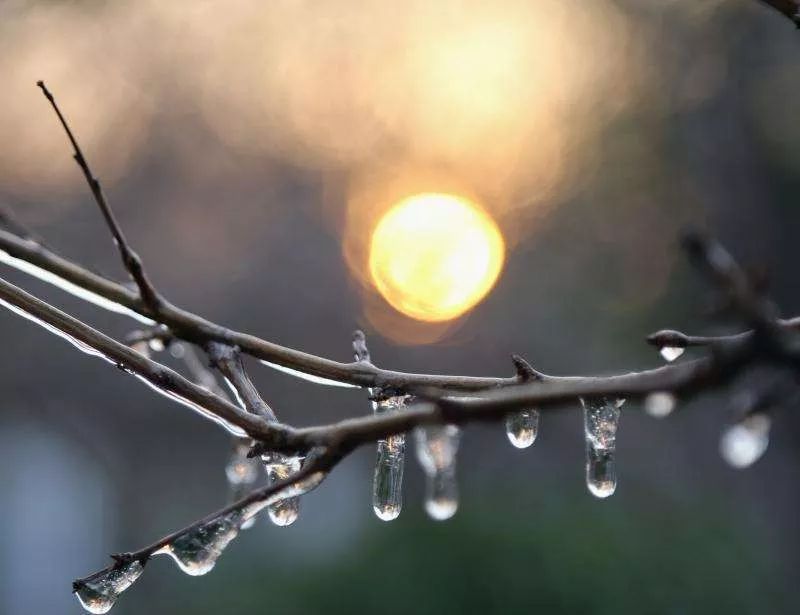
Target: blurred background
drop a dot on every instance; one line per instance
(248, 149)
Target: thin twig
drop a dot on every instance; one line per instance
(131, 260)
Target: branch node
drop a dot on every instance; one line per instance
(525, 371)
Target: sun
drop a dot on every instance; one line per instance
(435, 256)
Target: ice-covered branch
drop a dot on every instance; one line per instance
(159, 377)
(228, 361)
(196, 547)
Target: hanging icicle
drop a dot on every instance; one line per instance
(601, 418)
(100, 592)
(242, 474)
(437, 446)
(279, 467)
(387, 484)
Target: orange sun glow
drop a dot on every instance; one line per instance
(435, 256)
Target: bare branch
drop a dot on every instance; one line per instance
(130, 259)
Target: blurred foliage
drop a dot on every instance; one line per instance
(572, 558)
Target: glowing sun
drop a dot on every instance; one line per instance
(435, 256)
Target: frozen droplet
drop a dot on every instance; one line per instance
(744, 443)
(197, 550)
(659, 404)
(241, 470)
(279, 467)
(522, 427)
(156, 344)
(600, 422)
(670, 353)
(99, 593)
(437, 446)
(387, 484)
(299, 488)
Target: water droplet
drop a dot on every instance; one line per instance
(387, 484)
(522, 428)
(601, 419)
(197, 550)
(279, 467)
(743, 444)
(659, 404)
(670, 353)
(100, 592)
(437, 446)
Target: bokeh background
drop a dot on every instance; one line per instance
(248, 147)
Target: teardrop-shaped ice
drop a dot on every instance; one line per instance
(280, 467)
(670, 353)
(99, 593)
(197, 550)
(659, 404)
(742, 444)
(522, 427)
(387, 484)
(437, 446)
(601, 418)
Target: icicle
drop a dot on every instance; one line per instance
(743, 444)
(99, 593)
(659, 404)
(436, 451)
(670, 353)
(241, 470)
(522, 427)
(601, 417)
(387, 495)
(241, 473)
(197, 550)
(282, 512)
(299, 488)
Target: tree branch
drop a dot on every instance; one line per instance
(159, 377)
(130, 259)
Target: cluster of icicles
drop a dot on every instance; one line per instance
(197, 550)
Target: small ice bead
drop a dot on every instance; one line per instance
(387, 495)
(743, 444)
(522, 428)
(670, 353)
(279, 467)
(197, 550)
(601, 472)
(100, 593)
(659, 404)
